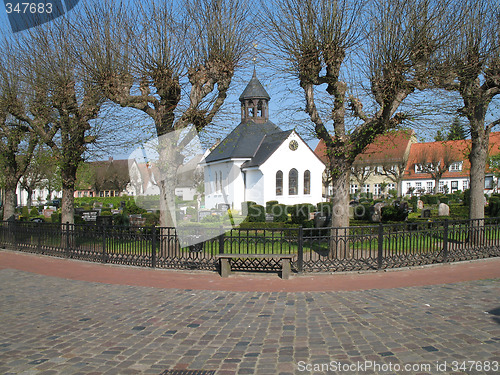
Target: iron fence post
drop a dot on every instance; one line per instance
(39, 239)
(68, 245)
(104, 245)
(300, 250)
(14, 234)
(380, 246)
(221, 243)
(153, 247)
(445, 240)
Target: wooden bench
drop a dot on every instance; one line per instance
(225, 264)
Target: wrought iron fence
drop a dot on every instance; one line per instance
(316, 249)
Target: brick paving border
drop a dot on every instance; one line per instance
(56, 324)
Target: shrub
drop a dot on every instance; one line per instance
(245, 207)
(191, 211)
(396, 212)
(121, 220)
(362, 211)
(494, 206)
(55, 217)
(300, 212)
(279, 213)
(269, 206)
(152, 219)
(467, 197)
(325, 208)
(24, 211)
(34, 211)
(432, 199)
(256, 214)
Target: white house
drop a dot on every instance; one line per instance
(259, 162)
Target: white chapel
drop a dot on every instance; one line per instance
(259, 162)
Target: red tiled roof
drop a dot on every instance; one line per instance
(456, 150)
(386, 148)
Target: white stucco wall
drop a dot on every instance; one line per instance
(285, 159)
(446, 181)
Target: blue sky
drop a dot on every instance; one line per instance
(286, 105)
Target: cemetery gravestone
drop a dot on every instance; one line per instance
(443, 209)
(420, 205)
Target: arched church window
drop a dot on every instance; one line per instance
(293, 182)
(307, 182)
(279, 183)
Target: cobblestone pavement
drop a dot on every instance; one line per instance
(56, 326)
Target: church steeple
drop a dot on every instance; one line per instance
(255, 101)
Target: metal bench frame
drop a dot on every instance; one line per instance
(225, 264)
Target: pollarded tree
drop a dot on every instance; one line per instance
(16, 149)
(436, 162)
(174, 61)
(61, 103)
(36, 174)
(17, 143)
(470, 66)
(315, 38)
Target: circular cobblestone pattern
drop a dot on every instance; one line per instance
(56, 326)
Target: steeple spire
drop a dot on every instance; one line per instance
(254, 101)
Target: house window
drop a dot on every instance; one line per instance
(408, 187)
(391, 186)
(441, 186)
(79, 194)
(429, 186)
(378, 170)
(366, 188)
(456, 167)
(419, 168)
(465, 185)
(377, 190)
(279, 183)
(307, 182)
(454, 186)
(293, 182)
(354, 189)
(488, 182)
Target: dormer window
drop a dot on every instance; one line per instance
(456, 166)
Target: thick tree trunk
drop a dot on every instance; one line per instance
(68, 191)
(10, 203)
(436, 186)
(339, 247)
(29, 199)
(478, 158)
(169, 161)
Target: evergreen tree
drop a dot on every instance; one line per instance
(457, 131)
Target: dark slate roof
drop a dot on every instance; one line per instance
(243, 142)
(270, 144)
(254, 89)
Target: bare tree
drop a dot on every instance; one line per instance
(436, 163)
(315, 38)
(470, 66)
(16, 150)
(172, 61)
(395, 172)
(361, 174)
(62, 104)
(17, 143)
(37, 172)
